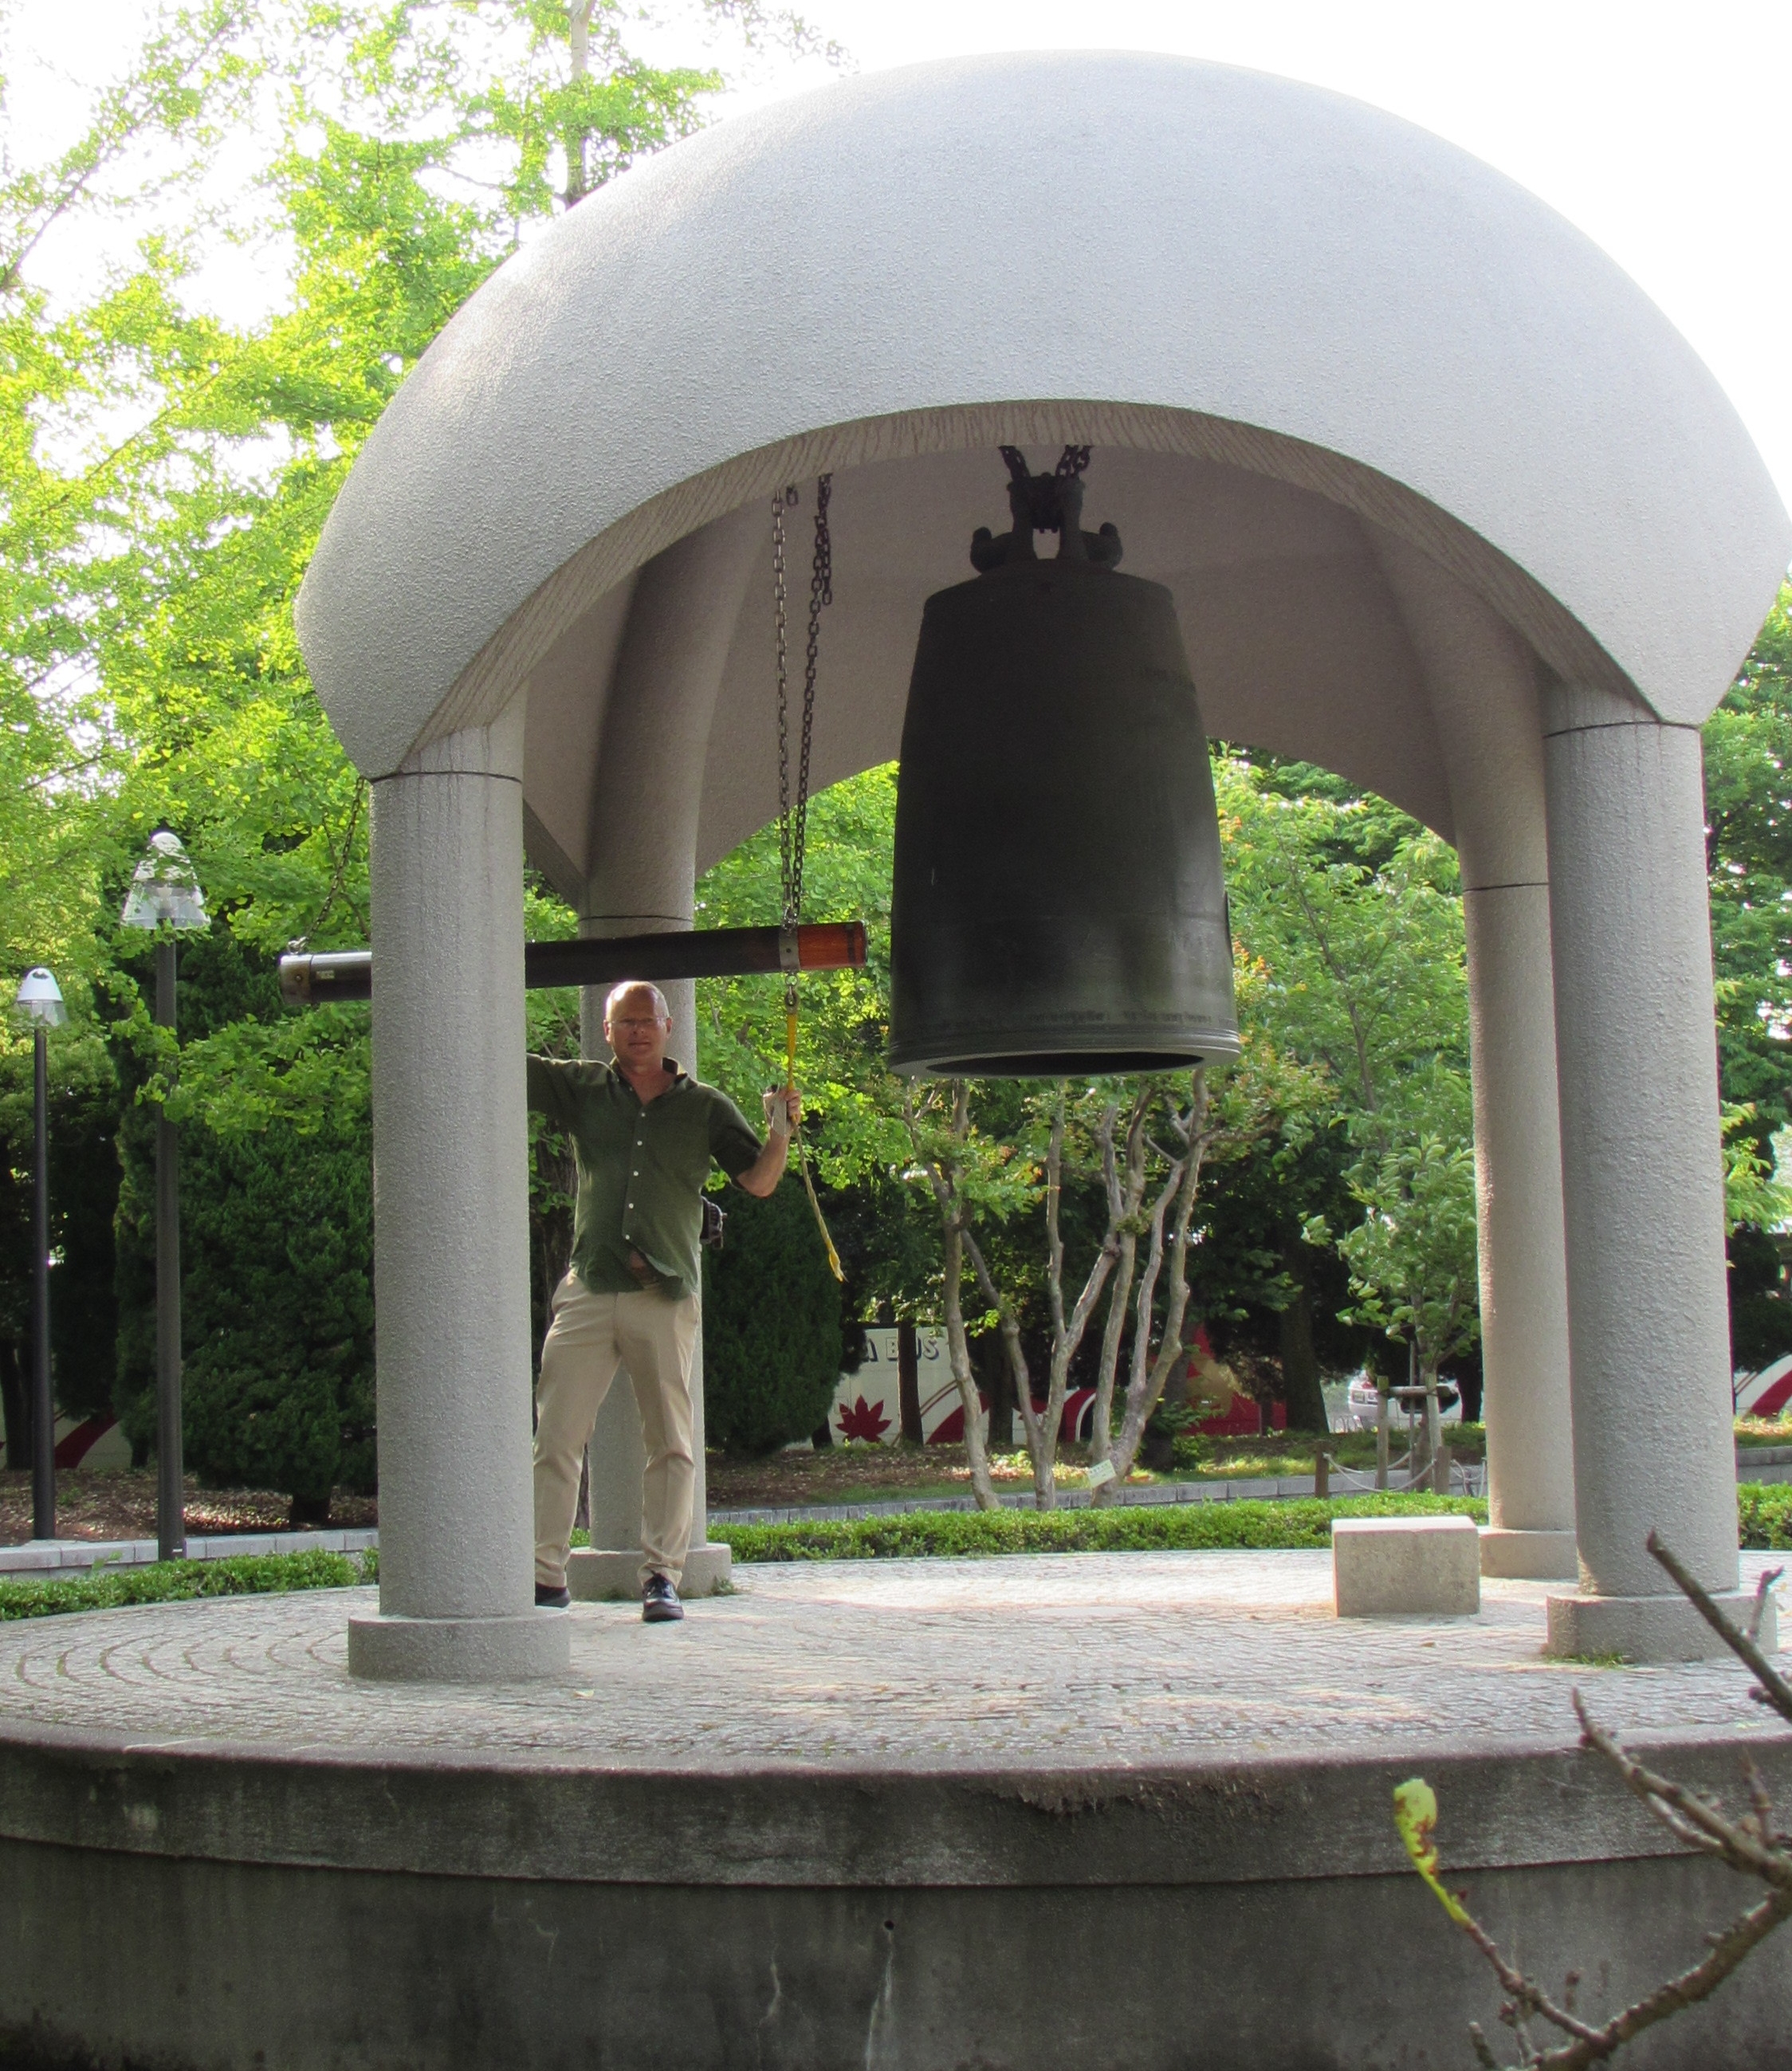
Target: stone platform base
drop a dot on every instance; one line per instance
(596, 1575)
(1068, 1813)
(1644, 1629)
(1533, 1556)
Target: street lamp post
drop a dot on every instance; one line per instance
(165, 895)
(40, 998)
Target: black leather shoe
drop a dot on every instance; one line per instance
(659, 1601)
(552, 1599)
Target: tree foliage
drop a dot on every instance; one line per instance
(164, 473)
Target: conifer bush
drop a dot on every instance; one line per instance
(771, 1325)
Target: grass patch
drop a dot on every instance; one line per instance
(1295, 1525)
(1764, 1510)
(169, 1581)
(1290, 1453)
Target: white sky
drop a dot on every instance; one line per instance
(1660, 127)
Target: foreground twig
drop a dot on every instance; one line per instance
(1753, 1845)
(1774, 1689)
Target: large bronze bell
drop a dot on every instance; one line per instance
(1059, 903)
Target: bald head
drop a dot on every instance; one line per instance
(637, 1024)
(650, 1000)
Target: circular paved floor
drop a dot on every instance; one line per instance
(1068, 1658)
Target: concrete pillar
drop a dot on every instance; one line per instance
(451, 1263)
(1642, 1173)
(644, 808)
(1482, 678)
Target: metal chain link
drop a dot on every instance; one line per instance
(785, 499)
(793, 813)
(821, 592)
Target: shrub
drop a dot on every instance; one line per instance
(1764, 1511)
(169, 1581)
(1134, 1528)
(278, 1313)
(277, 1242)
(771, 1335)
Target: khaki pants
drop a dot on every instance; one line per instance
(591, 1335)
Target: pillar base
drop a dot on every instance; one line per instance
(598, 1575)
(518, 1649)
(1531, 1556)
(1649, 1628)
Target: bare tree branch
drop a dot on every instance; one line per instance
(1774, 1689)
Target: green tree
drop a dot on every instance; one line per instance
(1352, 913)
(1747, 744)
(1411, 1258)
(163, 477)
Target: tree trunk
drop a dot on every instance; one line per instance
(999, 1385)
(1300, 1363)
(908, 1382)
(13, 1404)
(1437, 1465)
(958, 1351)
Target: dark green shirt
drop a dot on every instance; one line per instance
(642, 1168)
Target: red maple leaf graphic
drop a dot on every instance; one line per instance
(863, 1419)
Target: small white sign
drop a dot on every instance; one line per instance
(1100, 1472)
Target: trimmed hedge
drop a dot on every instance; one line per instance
(1765, 1509)
(1136, 1527)
(168, 1581)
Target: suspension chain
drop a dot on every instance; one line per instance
(792, 825)
(792, 832)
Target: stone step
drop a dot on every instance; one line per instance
(42, 1556)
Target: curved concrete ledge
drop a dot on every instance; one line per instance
(283, 1907)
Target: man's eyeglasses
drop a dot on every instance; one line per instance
(631, 1021)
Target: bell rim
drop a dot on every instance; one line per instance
(1113, 1057)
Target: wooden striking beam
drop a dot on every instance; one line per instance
(343, 974)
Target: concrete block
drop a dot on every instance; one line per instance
(1382, 1565)
(599, 1575)
(1535, 1556)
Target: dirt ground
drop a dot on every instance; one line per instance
(851, 1473)
(121, 1505)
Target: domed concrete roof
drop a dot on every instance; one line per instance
(1146, 252)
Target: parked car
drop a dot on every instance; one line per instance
(1363, 1404)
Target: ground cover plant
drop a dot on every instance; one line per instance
(1299, 1525)
(172, 1581)
(1764, 1510)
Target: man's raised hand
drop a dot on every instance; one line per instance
(783, 1110)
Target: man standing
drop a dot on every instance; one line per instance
(643, 1134)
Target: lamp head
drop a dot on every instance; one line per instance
(39, 998)
(166, 888)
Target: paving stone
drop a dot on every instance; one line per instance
(1067, 1658)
